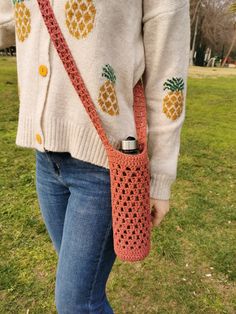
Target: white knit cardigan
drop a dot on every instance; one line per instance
(114, 43)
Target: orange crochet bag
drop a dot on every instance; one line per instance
(129, 173)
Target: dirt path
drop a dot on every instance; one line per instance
(202, 72)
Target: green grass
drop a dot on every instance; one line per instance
(196, 238)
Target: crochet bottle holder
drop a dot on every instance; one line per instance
(129, 174)
(130, 186)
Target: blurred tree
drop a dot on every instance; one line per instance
(211, 27)
(232, 9)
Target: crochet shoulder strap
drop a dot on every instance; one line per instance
(69, 63)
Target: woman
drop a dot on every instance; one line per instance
(114, 44)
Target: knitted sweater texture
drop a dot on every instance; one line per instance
(114, 44)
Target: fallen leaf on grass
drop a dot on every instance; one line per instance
(208, 275)
(178, 228)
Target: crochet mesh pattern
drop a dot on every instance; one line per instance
(129, 174)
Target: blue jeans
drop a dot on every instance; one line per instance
(75, 201)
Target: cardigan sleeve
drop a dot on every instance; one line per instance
(166, 38)
(7, 24)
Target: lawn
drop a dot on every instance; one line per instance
(191, 267)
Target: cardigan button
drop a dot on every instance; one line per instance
(38, 138)
(43, 70)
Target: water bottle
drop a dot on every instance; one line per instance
(129, 145)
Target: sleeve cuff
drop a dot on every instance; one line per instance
(160, 186)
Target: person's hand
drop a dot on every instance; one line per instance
(158, 209)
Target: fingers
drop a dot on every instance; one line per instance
(155, 221)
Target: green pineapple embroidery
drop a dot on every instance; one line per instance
(174, 100)
(107, 98)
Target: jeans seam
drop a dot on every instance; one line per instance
(99, 262)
